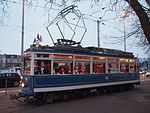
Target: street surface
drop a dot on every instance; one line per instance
(136, 100)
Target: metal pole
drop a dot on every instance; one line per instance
(64, 5)
(22, 39)
(6, 84)
(124, 35)
(98, 34)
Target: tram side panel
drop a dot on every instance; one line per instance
(34, 84)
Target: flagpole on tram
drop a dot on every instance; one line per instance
(22, 39)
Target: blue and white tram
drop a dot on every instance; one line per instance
(68, 68)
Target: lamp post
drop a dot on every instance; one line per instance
(22, 39)
(124, 16)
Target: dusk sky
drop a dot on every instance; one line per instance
(36, 22)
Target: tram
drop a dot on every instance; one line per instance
(64, 68)
(67, 69)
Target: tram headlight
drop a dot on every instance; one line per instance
(22, 84)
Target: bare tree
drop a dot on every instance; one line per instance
(142, 12)
(141, 30)
(3, 10)
(143, 17)
(148, 2)
(141, 27)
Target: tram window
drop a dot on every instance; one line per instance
(99, 58)
(124, 60)
(113, 59)
(59, 56)
(112, 67)
(131, 60)
(82, 57)
(124, 68)
(42, 67)
(82, 67)
(132, 68)
(98, 67)
(27, 65)
(43, 55)
(63, 67)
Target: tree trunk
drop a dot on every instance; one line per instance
(143, 17)
(148, 2)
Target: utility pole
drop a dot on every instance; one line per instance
(98, 33)
(22, 39)
(64, 5)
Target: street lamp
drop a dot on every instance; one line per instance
(125, 15)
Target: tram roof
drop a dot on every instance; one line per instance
(80, 50)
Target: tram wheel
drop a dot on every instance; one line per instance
(65, 97)
(49, 98)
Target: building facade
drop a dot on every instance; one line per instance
(145, 65)
(9, 61)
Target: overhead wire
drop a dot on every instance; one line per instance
(108, 20)
(29, 4)
(87, 18)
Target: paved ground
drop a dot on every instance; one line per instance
(136, 100)
(144, 78)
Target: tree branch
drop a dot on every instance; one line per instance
(143, 17)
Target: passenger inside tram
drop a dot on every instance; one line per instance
(62, 68)
(42, 67)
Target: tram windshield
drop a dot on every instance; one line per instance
(27, 65)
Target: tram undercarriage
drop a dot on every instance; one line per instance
(51, 97)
